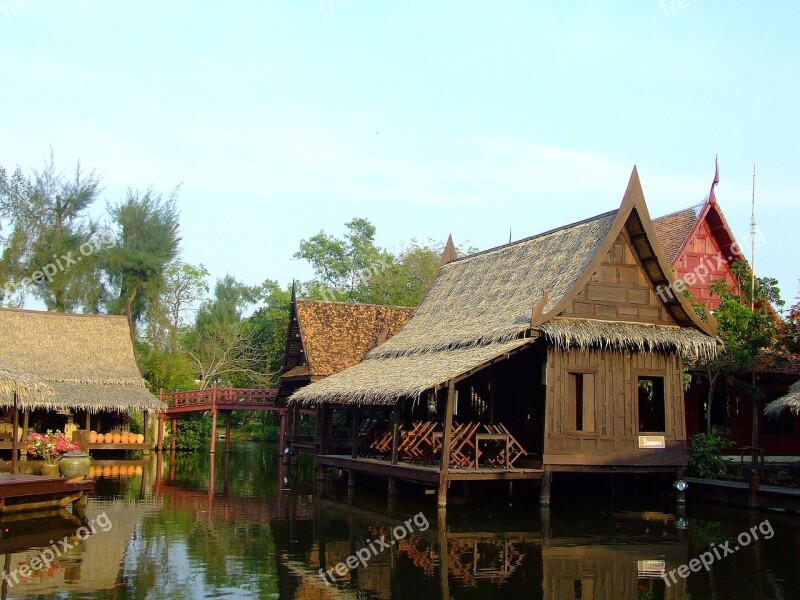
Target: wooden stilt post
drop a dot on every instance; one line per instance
(446, 437)
(228, 416)
(356, 424)
(15, 439)
(444, 567)
(174, 440)
(392, 487)
(25, 417)
(396, 432)
(160, 434)
(146, 427)
(213, 447)
(544, 490)
(282, 416)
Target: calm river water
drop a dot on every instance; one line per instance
(182, 529)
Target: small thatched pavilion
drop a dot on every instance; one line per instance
(555, 350)
(80, 363)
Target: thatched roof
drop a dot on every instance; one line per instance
(675, 228)
(87, 360)
(29, 391)
(481, 306)
(382, 381)
(791, 401)
(567, 333)
(488, 297)
(337, 335)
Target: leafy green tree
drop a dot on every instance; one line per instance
(146, 244)
(746, 324)
(269, 324)
(165, 369)
(344, 266)
(221, 343)
(52, 251)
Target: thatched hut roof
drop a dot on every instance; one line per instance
(29, 391)
(791, 401)
(484, 305)
(382, 381)
(337, 335)
(567, 333)
(87, 360)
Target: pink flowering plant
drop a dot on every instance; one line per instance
(50, 446)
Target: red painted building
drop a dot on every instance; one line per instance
(701, 248)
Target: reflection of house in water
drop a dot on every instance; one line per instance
(623, 562)
(88, 566)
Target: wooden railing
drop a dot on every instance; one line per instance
(213, 396)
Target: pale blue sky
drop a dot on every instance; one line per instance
(428, 118)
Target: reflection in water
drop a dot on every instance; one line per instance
(186, 528)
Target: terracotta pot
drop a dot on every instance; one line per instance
(50, 469)
(75, 465)
(125, 437)
(101, 439)
(116, 438)
(92, 437)
(140, 438)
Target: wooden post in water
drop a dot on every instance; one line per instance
(446, 437)
(15, 439)
(228, 416)
(213, 448)
(146, 427)
(160, 434)
(396, 432)
(544, 490)
(282, 416)
(356, 424)
(174, 440)
(25, 417)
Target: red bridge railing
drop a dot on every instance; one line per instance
(214, 396)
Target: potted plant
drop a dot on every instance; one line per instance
(50, 447)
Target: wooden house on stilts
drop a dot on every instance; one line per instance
(553, 353)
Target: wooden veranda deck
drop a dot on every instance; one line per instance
(420, 473)
(30, 492)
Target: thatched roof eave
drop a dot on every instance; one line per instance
(791, 401)
(567, 333)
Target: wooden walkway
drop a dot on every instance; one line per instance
(423, 473)
(30, 492)
(737, 493)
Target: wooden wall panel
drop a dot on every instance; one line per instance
(616, 401)
(619, 291)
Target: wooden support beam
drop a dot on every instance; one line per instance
(213, 447)
(396, 432)
(25, 426)
(160, 434)
(228, 431)
(282, 416)
(356, 425)
(146, 426)
(446, 437)
(544, 490)
(324, 415)
(15, 440)
(174, 440)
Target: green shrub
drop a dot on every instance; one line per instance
(705, 456)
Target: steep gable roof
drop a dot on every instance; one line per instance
(674, 229)
(482, 306)
(337, 335)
